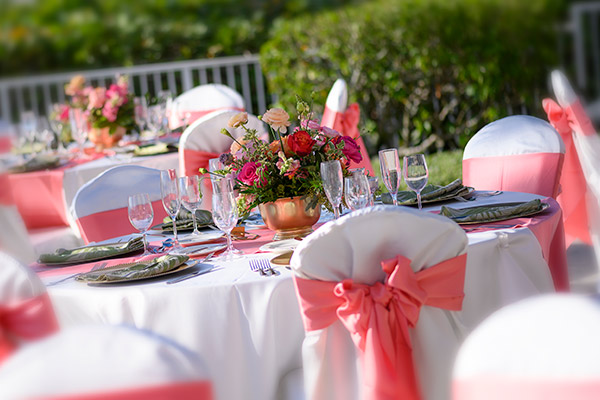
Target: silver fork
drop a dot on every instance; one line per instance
(94, 268)
(254, 267)
(263, 265)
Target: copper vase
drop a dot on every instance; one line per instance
(290, 217)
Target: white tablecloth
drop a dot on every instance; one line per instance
(248, 327)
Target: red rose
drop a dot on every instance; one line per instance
(301, 143)
(249, 174)
(351, 150)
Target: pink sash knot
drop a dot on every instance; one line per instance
(379, 316)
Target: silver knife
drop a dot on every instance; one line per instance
(193, 274)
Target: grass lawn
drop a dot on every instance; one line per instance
(443, 168)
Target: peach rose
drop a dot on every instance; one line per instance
(277, 118)
(75, 85)
(236, 146)
(238, 120)
(275, 146)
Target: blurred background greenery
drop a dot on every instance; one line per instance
(427, 74)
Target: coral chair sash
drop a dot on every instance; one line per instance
(347, 124)
(199, 390)
(26, 320)
(5, 144)
(379, 316)
(507, 173)
(6, 198)
(572, 198)
(191, 160)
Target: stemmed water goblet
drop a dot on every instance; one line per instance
(78, 127)
(225, 212)
(356, 191)
(141, 214)
(140, 113)
(191, 198)
(391, 172)
(416, 174)
(28, 127)
(333, 184)
(373, 186)
(169, 190)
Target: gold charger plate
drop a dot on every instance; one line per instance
(544, 207)
(182, 267)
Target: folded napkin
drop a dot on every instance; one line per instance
(37, 163)
(136, 270)
(429, 193)
(493, 212)
(153, 149)
(91, 253)
(184, 220)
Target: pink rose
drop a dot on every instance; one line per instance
(351, 150)
(97, 97)
(63, 115)
(330, 133)
(110, 112)
(249, 174)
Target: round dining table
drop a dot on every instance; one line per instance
(247, 326)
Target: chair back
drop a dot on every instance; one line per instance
(26, 313)
(105, 362)
(203, 100)
(544, 347)
(100, 206)
(518, 153)
(352, 248)
(7, 135)
(14, 239)
(344, 119)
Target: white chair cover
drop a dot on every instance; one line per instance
(100, 206)
(104, 362)
(202, 100)
(542, 348)
(353, 247)
(495, 158)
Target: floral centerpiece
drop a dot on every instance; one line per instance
(109, 112)
(289, 165)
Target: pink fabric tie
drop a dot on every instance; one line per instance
(378, 317)
(191, 160)
(347, 124)
(5, 144)
(196, 390)
(25, 320)
(572, 181)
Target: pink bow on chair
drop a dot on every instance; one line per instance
(378, 317)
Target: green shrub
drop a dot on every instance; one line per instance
(424, 72)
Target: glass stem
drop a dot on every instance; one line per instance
(196, 231)
(336, 211)
(419, 199)
(394, 198)
(175, 232)
(145, 243)
(229, 243)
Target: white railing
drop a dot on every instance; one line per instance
(37, 93)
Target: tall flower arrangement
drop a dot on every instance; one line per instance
(112, 107)
(287, 166)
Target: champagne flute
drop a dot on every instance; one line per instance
(225, 212)
(333, 184)
(390, 172)
(141, 215)
(191, 198)
(373, 186)
(170, 198)
(416, 174)
(357, 191)
(78, 127)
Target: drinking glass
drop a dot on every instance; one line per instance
(78, 127)
(28, 128)
(373, 186)
(155, 118)
(390, 171)
(416, 174)
(357, 191)
(140, 113)
(141, 214)
(57, 126)
(170, 198)
(191, 197)
(225, 212)
(333, 184)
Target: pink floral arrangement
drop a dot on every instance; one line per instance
(287, 166)
(112, 107)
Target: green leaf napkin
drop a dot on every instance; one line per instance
(153, 149)
(429, 193)
(184, 220)
(38, 163)
(490, 213)
(91, 253)
(136, 270)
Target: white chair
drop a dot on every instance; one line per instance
(100, 206)
(337, 115)
(203, 140)
(14, 238)
(542, 348)
(202, 100)
(105, 362)
(352, 248)
(26, 313)
(519, 153)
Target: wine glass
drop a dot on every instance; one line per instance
(225, 212)
(170, 198)
(140, 113)
(141, 215)
(191, 197)
(390, 172)
(357, 191)
(332, 177)
(78, 127)
(416, 174)
(57, 126)
(154, 119)
(373, 186)
(28, 128)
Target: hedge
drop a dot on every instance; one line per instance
(427, 74)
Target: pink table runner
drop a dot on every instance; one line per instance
(39, 195)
